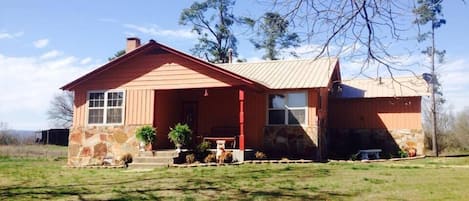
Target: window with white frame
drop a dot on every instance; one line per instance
(287, 108)
(105, 107)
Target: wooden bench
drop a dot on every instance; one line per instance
(228, 134)
(365, 152)
(224, 139)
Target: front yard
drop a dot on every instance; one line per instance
(423, 179)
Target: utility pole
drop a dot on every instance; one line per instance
(433, 83)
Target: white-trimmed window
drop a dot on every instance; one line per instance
(287, 108)
(105, 107)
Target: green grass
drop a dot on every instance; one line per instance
(424, 179)
(34, 151)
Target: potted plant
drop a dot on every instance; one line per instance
(146, 135)
(180, 135)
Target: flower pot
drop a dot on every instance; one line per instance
(178, 148)
(141, 146)
(149, 147)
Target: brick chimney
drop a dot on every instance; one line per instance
(132, 44)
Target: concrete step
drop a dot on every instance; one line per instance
(151, 159)
(162, 153)
(147, 165)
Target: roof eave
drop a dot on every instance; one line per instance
(108, 65)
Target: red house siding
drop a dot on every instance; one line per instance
(390, 124)
(387, 113)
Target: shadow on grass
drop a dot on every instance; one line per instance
(287, 195)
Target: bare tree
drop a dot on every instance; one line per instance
(461, 130)
(367, 30)
(6, 136)
(60, 112)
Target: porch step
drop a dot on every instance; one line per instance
(153, 159)
(159, 153)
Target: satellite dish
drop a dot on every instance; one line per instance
(427, 77)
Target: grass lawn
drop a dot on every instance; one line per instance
(423, 179)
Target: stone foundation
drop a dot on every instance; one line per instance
(91, 145)
(342, 143)
(291, 141)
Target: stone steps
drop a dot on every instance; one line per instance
(153, 159)
(160, 153)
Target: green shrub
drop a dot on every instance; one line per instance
(190, 158)
(354, 157)
(203, 146)
(126, 159)
(403, 154)
(202, 150)
(180, 134)
(211, 157)
(146, 134)
(260, 155)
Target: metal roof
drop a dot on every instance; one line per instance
(286, 74)
(388, 87)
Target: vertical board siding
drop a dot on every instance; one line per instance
(389, 113)
(79, 108)
(255, 115)
(139, 107)
(312, 107)
(159, 71)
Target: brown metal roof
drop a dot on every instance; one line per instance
(372, 88)
(287, 74)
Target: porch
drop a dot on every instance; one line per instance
(211, 113)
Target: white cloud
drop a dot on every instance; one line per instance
(455, 84)
(51, 54)
(5, 35)
(29, 83)
(86, 60)
(154, 30)
(41, 43)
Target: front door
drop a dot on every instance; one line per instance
(189, 115)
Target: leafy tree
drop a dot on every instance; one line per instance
(60, 112)
(117, 54)
(430, 12)
(212, 21)
(273, 35)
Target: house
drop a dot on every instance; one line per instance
(280, 107)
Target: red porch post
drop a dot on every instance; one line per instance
(241, 119)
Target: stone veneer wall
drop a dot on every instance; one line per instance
(90, 145)
(344, 142)
(291, 141)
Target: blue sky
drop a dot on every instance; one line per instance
(45, 44)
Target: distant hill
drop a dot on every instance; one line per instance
(23, 133)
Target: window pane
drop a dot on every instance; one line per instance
(297, 99)
(114, 115)
(95, 116)
(296, 116)
(276, 101)
(276, 117)
(96, 100)
(114, 99)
